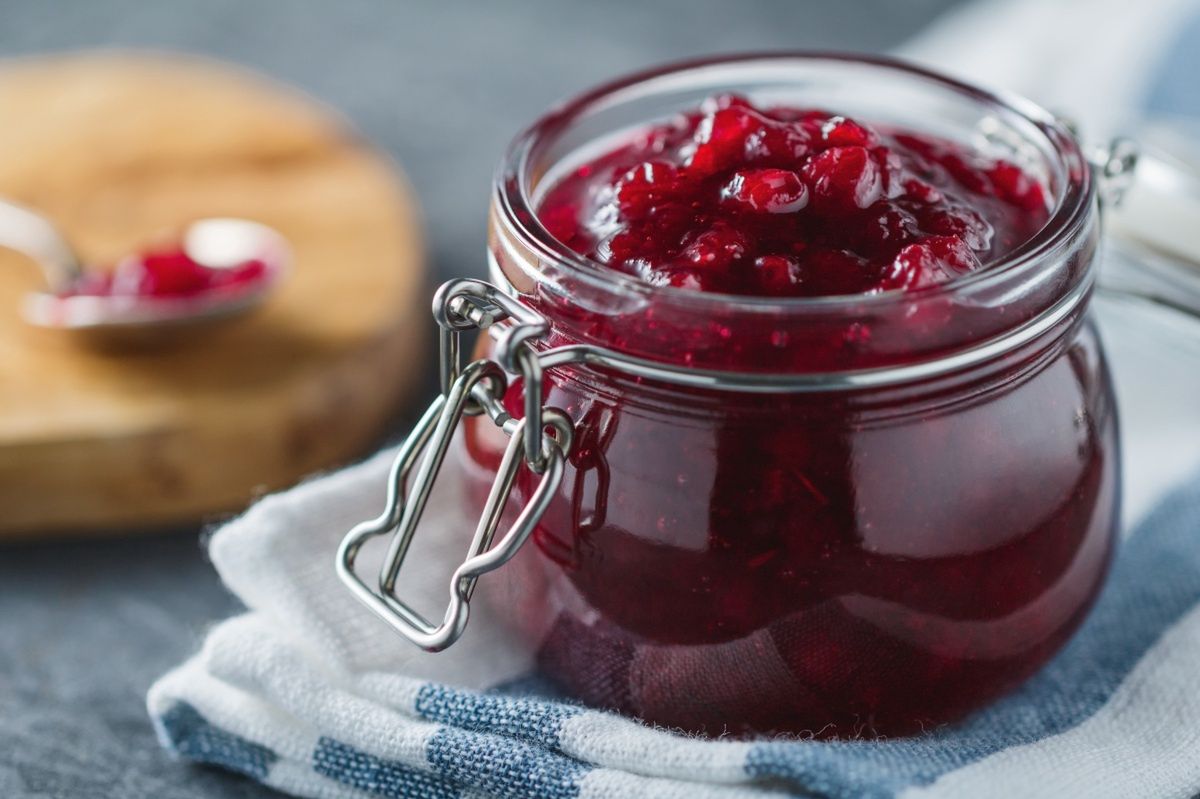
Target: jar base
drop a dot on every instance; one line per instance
(762, 685)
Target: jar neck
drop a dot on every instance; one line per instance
(1002, 365)
(804, 348)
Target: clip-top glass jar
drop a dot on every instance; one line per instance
(839, 514)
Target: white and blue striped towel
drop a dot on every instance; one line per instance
(309, 693)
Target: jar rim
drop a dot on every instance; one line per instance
(513, 192)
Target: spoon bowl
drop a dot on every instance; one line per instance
(85, 300)
(218, 243)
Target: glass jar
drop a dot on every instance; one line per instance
(843, 514)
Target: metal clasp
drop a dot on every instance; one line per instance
(539, 442)
(1115, 167)
(1151, 203)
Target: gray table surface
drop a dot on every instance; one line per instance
(86, 626)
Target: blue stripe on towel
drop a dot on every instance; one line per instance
(387, 778)
(532, 686)
(533, 720)
(190, 734)
(1155, 581)
(500, 766)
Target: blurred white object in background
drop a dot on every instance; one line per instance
(1095, 60)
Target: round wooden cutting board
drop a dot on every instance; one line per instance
(119, 149)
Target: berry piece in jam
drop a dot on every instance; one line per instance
(845, 179)
(786, 201)
(766, 191)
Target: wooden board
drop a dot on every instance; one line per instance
(118, 149)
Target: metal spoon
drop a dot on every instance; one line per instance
(215, 243)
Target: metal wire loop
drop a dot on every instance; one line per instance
(480, 383)
(462, 305)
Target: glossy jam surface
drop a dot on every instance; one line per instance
(782, 202)
(169, 273)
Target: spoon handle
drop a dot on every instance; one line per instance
(32, 234)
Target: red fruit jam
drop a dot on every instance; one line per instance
(169, 273)
(912, 533)
(789, 202)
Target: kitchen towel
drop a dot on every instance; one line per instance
(310, 693)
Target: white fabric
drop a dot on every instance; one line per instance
(1087, 59)
(1150, 719)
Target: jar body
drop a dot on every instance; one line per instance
(910, 530)
(872, 561)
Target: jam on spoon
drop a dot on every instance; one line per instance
(784, 202)
(168, 272)
(218, 267)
